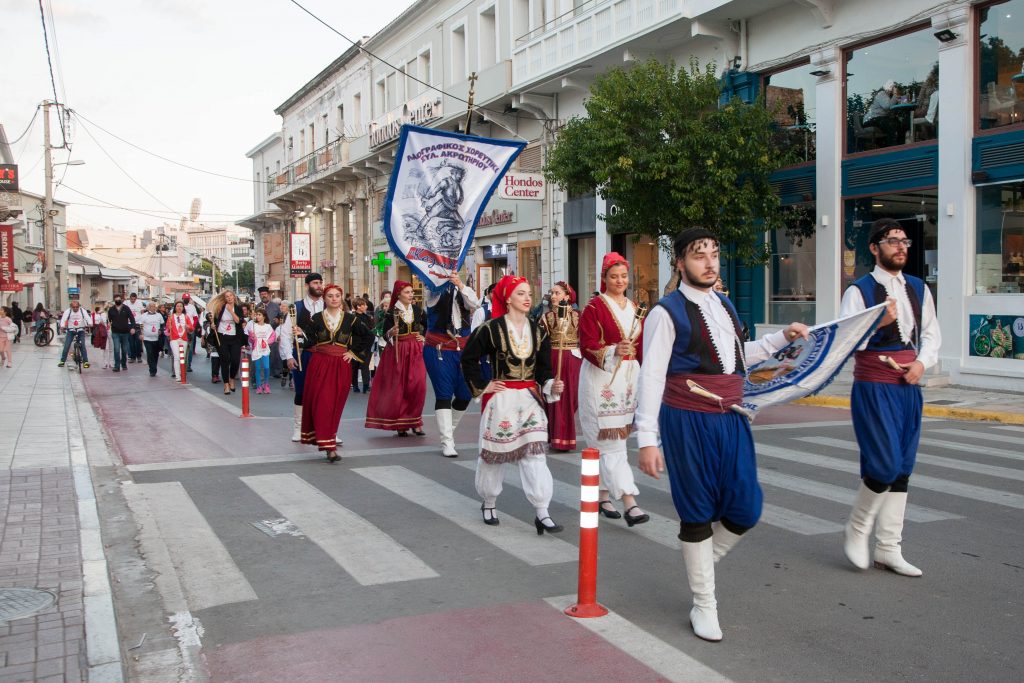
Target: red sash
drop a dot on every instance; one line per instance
(867, 367)
(330, 349)
(446, 342)
(509, 384)
(678, 395)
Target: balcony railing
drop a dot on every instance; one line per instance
(320, 160)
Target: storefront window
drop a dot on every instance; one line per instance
(530, 268)
(917, 213)
(999, 262)
(790, 96)
(642, 254)
(1001, 64)
(791, 291)
(892, 92)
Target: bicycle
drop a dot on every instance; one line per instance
(77, 349)
(43, 335)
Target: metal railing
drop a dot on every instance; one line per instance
(582, 8)
(306, 167)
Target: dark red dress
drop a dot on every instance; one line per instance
(400, 384)
(564, 335)
(328, 379)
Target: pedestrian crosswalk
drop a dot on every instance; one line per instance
(804, 495)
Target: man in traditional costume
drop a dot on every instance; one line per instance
(886, 401)
(513, 425)
(562, 323)
(305, 309)
(400, 384)
(328, 376)
(449, 315)
(692, 376)
(611, 335)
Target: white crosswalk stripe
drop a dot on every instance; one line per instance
(513, 536)
(980, 493)
(984, 436)
(368, 554)
(973, 450)
(1011, 428)
(950, 463)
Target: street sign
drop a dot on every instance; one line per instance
(301, 252)
(381, 260)
(9, 177)
(73, 290)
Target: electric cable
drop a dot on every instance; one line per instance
(53, 80)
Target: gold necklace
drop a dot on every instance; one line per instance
(521, 348)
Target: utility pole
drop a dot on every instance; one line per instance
(49, 272)
(160, 260)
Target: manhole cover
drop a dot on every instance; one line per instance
(18, 603)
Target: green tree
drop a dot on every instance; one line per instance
(203, 267)
(656, 143)
(242, 279)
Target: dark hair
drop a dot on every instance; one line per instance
(360, 301)
(881, 228)
(687, 237)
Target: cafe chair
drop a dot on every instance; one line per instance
(862, 134)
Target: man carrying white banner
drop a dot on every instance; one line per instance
(886, 402)
(439, 188)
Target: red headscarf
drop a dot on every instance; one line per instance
(502, 292)
(399, 286)
(330, 287)
(612, 258)
(569, 290)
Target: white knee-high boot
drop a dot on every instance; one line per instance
(722, 540)
(889, 532)
(700, 573)
(445, 429)
(858, 528)
(456, 418)
(297, 431)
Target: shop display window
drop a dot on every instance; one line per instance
(1001, 64)
(791, 291)
(790, 96)
(892, 92)
(999, 256)
(642, 253)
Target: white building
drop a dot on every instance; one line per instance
(948, 163)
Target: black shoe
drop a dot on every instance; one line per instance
(333, 457)
(610, 514)
(419, 432)
(355, 390)
(493, 519)
(117, 370)
(541, 527)
(402, 432)
(639, 519)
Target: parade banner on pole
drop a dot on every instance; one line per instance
(806, 366)
(439, 187)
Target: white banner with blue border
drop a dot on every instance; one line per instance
(806, 366)
(439, 187)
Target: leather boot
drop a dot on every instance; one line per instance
(722, 540)
(456, 418)
(858, 529)
(445, 429)
(297, 431)
(889, 532)
(700, 573)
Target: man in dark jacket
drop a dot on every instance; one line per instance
(17, 315)
(122, 321)
(362, 345)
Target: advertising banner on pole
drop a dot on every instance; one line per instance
(300, 261)
(7, 280)
(439, 187)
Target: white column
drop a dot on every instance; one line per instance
(957, 215)
(602, 240)
(666, 260)
(828, 179)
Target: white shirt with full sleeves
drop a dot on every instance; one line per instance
(895, 286)
(285, 343)
(659, 338)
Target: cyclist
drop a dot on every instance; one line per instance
(75, 322)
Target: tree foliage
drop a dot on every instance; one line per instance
(656, 143)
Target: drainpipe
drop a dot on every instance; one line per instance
(743, 44)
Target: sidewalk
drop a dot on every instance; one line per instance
(941, 401)
(56, 613)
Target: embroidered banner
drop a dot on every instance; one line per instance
(807, 366)
(439, 187)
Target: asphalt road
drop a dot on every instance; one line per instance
(379, 567)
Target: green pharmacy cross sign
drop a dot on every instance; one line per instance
(381, 260)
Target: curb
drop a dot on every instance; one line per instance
(944, 412)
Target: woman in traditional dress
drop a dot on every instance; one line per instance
(329, 375)
(400, 384)
(513, 424)
(562, 324)
(611, 331)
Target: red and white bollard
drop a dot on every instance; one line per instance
(586, 594)
(181, 363)
(245, 386)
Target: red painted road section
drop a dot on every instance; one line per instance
(521, 642)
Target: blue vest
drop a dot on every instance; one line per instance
(439, 316)
(887, 338)
(693, 351)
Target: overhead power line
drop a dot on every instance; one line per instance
(53, 80)
(28, 128)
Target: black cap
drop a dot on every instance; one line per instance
(689, 236)
(881, 228)
(314, 276)
(263, 289)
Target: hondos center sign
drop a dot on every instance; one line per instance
(528, 186)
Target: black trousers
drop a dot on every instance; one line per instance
(361, 369)
(152, 354)
(230, 351)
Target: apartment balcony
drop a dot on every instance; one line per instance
(317, 166)
(585, 31)
(492, 83)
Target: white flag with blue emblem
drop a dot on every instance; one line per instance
(439, 187)
(806, 366)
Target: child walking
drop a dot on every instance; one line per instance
(261, 335)
(8, 331)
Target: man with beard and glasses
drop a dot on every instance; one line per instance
(305, 309)
(886, 401)
(692, 338)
